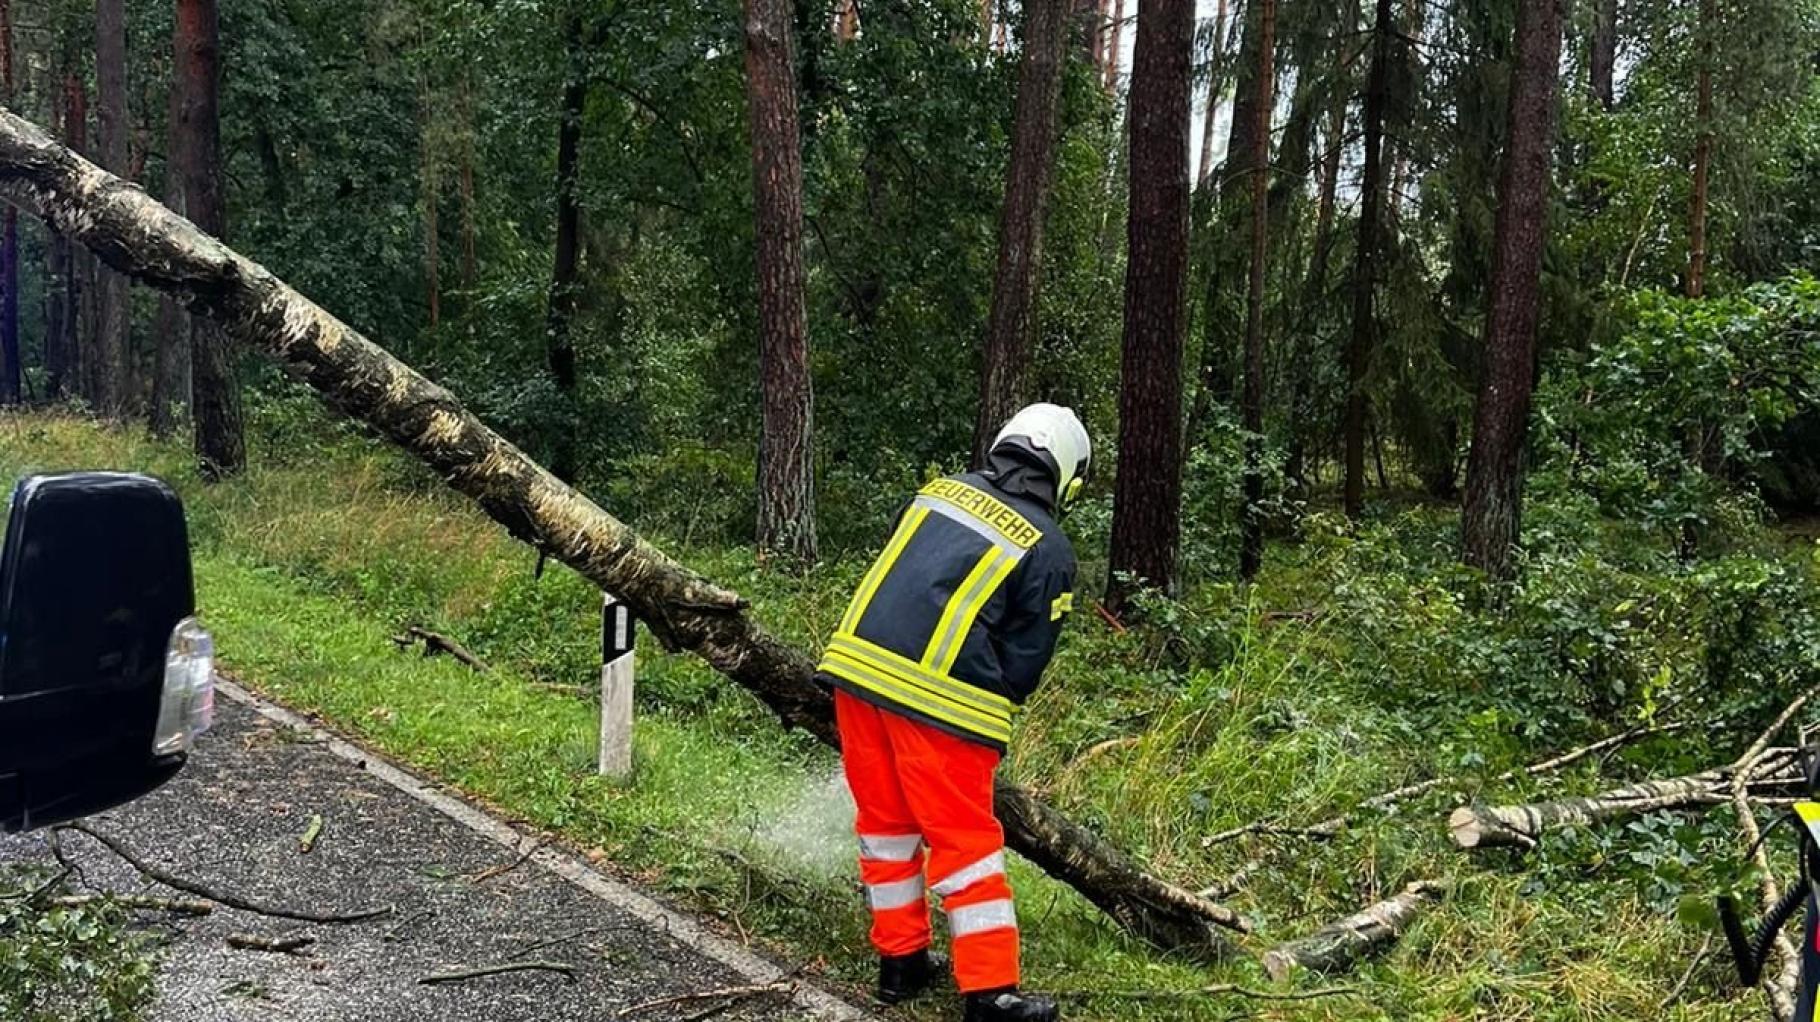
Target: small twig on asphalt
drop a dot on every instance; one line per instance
(392, 934)
(146, 902)
(564, 939)
(277, 945)
(307, 843)
(506, 867)
(63, 859)
(734, 995)
(724, 1006)
(459, 975)
(222, 897)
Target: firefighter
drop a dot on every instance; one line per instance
(948, 635)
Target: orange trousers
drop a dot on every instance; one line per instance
(926, 824)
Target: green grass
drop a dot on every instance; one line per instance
(1160, 737)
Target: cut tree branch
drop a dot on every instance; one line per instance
(462, 975)
(1338, 945)
(1523, 825)
(142, 902)
(435, 643)
(134, 234)
(1333, 825)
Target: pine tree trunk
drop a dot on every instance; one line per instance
(82, 263)
(469, 260)
(1219, 364)
(1251, 524)
(1314, 287)
(563, 288)
(431, 180)
(1363, 337)
(684, 610)
(1215, 86)
(57, 356)
(1703, 153)
(1147, 508)
(1494, 471)
(1115, 49)
(12, 370)
(786, 482)
(113, 308)
(56, 334)
(1096, 37)
(1603, 59)
(1011, 331)
(215, 392)
(171, 384)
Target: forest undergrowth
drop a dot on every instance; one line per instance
(1362, 659)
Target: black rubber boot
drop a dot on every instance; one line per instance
(905, 977)
(1010, 1006)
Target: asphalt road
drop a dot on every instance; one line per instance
(233, 821)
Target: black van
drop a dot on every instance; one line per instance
(106, 679)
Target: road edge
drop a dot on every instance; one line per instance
(748, 964)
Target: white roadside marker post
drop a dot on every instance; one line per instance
(615, 688)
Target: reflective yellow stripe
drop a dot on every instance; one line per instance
(1062, 607)
(994, 512)
(856, 609)
(965, 593)
(948, 687)
(970, 611)
(863, 676)
(1809, 812)
(897, 686)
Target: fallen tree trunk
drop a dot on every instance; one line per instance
(136, 235)
(1339, 944)
(1523, 825)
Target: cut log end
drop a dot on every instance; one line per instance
(1475, 827)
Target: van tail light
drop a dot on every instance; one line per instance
(187, 705)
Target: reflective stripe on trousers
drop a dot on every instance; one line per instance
(987, 915)
(894, 894)
(991, 866)
(890, 847)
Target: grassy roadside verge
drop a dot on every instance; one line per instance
(307, 567)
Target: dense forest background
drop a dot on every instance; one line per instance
(550, 208)
(1454, 370)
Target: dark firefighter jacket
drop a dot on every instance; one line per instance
(956, 620)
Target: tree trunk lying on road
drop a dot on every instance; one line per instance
(1339, 944)
(134, 234)
(1523, 825)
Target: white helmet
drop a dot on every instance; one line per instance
(1058, 431)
